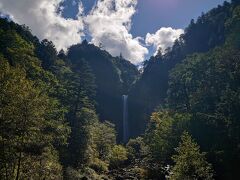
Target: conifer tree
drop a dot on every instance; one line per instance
(190, 163)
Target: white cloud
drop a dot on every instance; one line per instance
(163, 38)
(44, 21)
(109, 24)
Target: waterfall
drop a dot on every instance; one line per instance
(125, 118)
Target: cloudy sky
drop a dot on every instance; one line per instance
(133, 28)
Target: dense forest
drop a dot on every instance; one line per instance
(61, 112)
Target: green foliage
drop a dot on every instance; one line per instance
(196, 81)
(86, 173)
(209, 31)
(20, 53)
(138, 158)
(80, 149)
(101, 140)
(127, 72)
(147, 94)
(55, 89)
(47, 52)
(104, 138)
(232, 25)
(72, 174)
(30, 125)
(207, 86)
(163, 134)
(90, 141)
(190, 164)
(118, 156)
(99, 165)
(137, 149)
(45, 166)
(112, 78)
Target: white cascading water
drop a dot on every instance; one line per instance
(125, 118)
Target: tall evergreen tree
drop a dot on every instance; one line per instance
(32, 126)
(190, 164)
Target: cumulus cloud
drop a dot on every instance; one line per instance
(45, 21)
(163, 38)
(109, 24)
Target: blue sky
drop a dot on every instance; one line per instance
(134, 28)
(153, 14)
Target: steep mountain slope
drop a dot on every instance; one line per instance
(50, 104)
(113, 76)
(210, 30)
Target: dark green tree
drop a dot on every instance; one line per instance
(32, 127)
(190, 163)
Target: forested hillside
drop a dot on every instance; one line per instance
(57, 99)
(61, 112)
(209, 30)
(113, 78)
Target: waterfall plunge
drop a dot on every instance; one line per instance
(125, 118)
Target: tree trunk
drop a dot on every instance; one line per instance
(19, 165)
